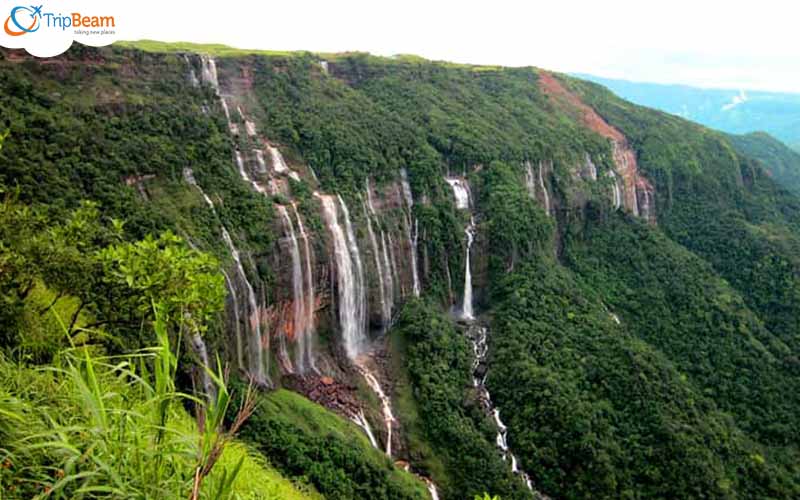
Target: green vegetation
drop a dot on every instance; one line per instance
(306, 442)
(690, 394)
(439, 363)
(782, 162)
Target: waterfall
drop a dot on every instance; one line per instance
(381, 258)
(193, 81)
(299, 298)
(389, 280)
(591, 167)
(258, 364)
(616, 192)
(360, 420)
(232, 127)
(385, 317)
(412, 241)
(236, 319)
(246, 176)
(393, 262)
(370, 204)
(544, 189)
(349, 276)
(249, 126)
(466, 309)
(462, 197)
(188, 174)
(644, 208)
(278, 164)
(386, 403)
(406, 188)
(309, 295)
(530, 181)
(460, 192)
(262, 165)
(431, 488)
(258, 345)
(199, 347)
(478, 337)
(361, 302)
(209, 72)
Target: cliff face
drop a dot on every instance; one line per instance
(337, 192)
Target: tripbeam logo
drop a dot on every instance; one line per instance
(35, 24)
(46, 32)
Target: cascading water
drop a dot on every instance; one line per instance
(385, 317)
(381, 258)
(409, 199)
(462, 197)
(199, 347)
(386, 403)
(393, 262)
(591, 168)
(262, 165)
(467, 312)
(616, 191)
(257, 366)
(478, 335)
(460, 192)
(349, 279)
(246, 176)
(209, 72)
(309, 294)
(278, 164)
(530, 179)
(545, 195)
(298, 302)
(360, 420)
(197, 341)
(193, 81)
(389, 280)
(236, 321)
(188, 175)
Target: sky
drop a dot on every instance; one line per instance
(706, 43)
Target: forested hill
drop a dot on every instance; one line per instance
(439, 280)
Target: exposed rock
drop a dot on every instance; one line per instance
(334, 395)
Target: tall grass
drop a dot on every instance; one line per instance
(94, 426)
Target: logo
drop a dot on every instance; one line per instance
(44, 31)
(18, 28)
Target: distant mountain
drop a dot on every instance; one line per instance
(732, 111)
(780, 161)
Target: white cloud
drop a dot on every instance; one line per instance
(735, 101)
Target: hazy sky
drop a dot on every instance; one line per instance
(707, 43)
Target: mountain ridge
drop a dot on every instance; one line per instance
(357, 205)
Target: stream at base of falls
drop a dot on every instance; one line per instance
(477, 336)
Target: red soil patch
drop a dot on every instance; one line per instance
(624, 157)
(552, 87)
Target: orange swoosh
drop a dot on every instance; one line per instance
(18, 33)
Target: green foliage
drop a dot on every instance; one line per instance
(517, 228)
(307, 442)
(782, 162)
(673, 300)
(186, 282)
(105, 427)
(439, 364)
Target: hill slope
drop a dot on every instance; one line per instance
(511, 280)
